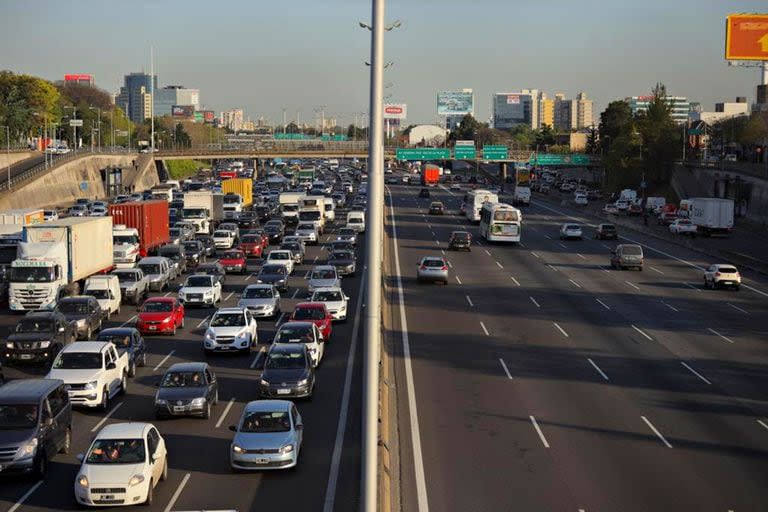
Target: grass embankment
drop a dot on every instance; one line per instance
(181, 169)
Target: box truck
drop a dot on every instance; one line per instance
(430, 175)
(241, 186)
(137, 230)
(289, 206)
(712, 216)
(196, 202)
(22, 217)
(54, 258)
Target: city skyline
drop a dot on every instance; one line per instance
(302, 63)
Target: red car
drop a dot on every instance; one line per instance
(252, 245)
(234, 261)
(160, 315)
(314, 312)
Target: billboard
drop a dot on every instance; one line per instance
(208, 116)
(198, 117)
(395, 111)
(78, 77)
(746, 37)
(186, 111)
(455, 103)
(513, 99)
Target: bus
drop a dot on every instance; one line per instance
(473, 202)
(500, 222)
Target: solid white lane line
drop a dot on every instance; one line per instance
(487, 252)
(673, 308)
(594, 365)
(552, 267)
(765, 425)
(577, 285)
(603, 304)
(450, 264)
(202, 322)
(534, 301)
(538, 431)
(314, 260)
(562, 245)
(561, 329)
(737, 308)
(163, 360)
(442, 251)
(418, 462)
(514, 280)
(695, 372)
(726, 338)
(655, 431)
(26, 496)
(641, 332)
(258, 355)
(656, 270)
(457, 279)
(229, 296)
(499, 265)
(167, 294)
(605, 270)
(521, 245)
(225, 412)
(295, 293)
(128, 321)
(535, 254)
(506, 370)
(248, 277)
(437, 242)
(469, 300)
(580, 256)
(633, 285)
(279, 319)
(484, 329)
(689, 285)
(548, 237)
(176, 494)
(106, 417)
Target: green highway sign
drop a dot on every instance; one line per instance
(464, 153)
(495, 153)
(423, 154)
(555, 159)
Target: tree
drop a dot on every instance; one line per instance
(593, 142)
(615, 121)
(466, 130)
(522, 135)
(544, 136)
(660, 137)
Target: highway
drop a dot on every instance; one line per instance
(540, 379)
(200, 476)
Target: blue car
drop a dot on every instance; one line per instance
(130, 340)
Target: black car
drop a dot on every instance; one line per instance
(213, 268)
(84, 313)
(247, 219)
(276, 275)
(187, 389)
(288, 372)
(344, 261)
(436, 208)
(606, 231)
(130, 341)
(195, 252)
(341, 245)
(424, 193)
(460, 240)
(263, 212)
(38, 337)
(209, 247)
(274, 232)
(177, 254)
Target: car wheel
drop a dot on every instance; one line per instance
(124, 383)
(41, 466)
(150, 495)
(132, 370)
(104, 406)
(207, 411)
(144, 359)
(164, 474)
(88, 333)
(67, 445)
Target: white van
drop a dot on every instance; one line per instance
(329, 211)
(106, 289)
(356, 221)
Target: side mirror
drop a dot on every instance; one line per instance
(299, 426)
(48, 422)
(62, 329)
(111, 366)
(80, 457)
(233, 428)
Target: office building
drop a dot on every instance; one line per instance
(79, 78)
(583, 111)
(574, 114)
(232, 119)
(679, 106)
(546, 111)
(171, 95)
(516, 108)
(133, 96)
(723, 111)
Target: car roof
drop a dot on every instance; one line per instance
(86, 346)
(323, 267)
(718, 265)
(230, 311)
(328, 289)
(152, 259)
(26, 390)
(123, 430)
(160, 299)
(118, 330)
(268, 405)
(188, 366)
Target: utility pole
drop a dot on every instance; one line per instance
(152, 96)
(8, 152)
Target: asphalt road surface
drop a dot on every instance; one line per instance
(541, 380)
(327, 476)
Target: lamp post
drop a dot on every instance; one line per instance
(74, 127)
(8, 152)
(44, 135)
(98, 126)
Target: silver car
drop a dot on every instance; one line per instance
(347, 235)
(569, 231)
(307, 232)
(432, 268)
(262, 300)
(323, 276)
(268, 435)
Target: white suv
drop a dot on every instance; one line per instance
(200, 290)
(281, 257)
(335, 300)
(721, 274)
(230, 330)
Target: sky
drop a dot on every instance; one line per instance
(303, 55)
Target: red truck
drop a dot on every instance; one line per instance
(430, 175)
(146, 219)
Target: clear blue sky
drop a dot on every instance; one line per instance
(265, 55)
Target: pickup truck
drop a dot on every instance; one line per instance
(134, 285)
(38, 337)
(93, 371)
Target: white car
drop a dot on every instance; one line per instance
(335, 300)
(683, 227)
(568, 231)
(200, 290)
(610, 209)
(721, 274)
(323, 276)
(98, 211)
(223, 239)
(231, 329)
(49, 215)
(262, 300)
(581, 199)
(303, 332)
(307, 233)
(281, 257)
(122, 466)
(622, 205)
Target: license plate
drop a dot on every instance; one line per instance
(230, 268)
(283, 391)
(178, 408)
(25, 356)
(224, 348)
(262, 461)
(724, 282)
(108, 497)
(152, 327)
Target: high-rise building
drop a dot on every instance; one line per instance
(171, 95)
(566, 113)
(132, 96)
(679, 106)
(546, 111)
(723, 111)
(583, 111)
(516, 108)
(232, 119)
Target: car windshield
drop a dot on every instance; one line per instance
(286, 361)
(221, 234)
(120, 340)
(347, 232)
(324, 274)
(257, 293)
(354, 220)
(208, 269)
(232, 255)
(632, 250)
(174, 232)
(150, 269)
(279, 256)
(127, 277)
(295, 334)
(327, 296)
(157, 307)
(199, 281)
(125, 239)
(306, 227)
(432, 263)
(251, 239)
(34, 325)
(312, 215)
(460, 236)
(73, 307)
(191, 246)
(183, 380)
(193, 213)
(99, 293)
(608, 227)
(505, 215)
(77, 361)
(228, 320)
(308, 314)
(272, 269)
(572, 226)
(42, 274)
(18, 416)
(117, 451)
(170, 252)
(727, 270)
(265, 422)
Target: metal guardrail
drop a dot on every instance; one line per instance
(272, 146)
(754, 170)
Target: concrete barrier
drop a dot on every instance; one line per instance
(7, 159)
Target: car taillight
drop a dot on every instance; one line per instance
(443, 268)
(422, 267)
(717, 274)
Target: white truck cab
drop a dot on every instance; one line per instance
(356, 221)
(106, 289)
(125, 245)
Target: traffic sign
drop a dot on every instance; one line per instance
(423, 154)
(464, 153)
(465, 143)
(746, 37)
(121, 133)
(495, 153)
(76, 122)
(556, 159)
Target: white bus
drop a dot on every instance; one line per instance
(500, 222)
(473, 202)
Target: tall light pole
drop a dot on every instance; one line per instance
(44, 135)
(98, 127)
(152, 96)
(8, 152)
(74, 126)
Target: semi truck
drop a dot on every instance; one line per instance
(138, 229)
(430, 175)
(54, 258)
(204, 209)
(306, 176)
(241, 186)
(712, 216)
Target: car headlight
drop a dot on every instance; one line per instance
(80, 322)
(286, 449)
(135, 480)
(209, 336)
(237, 449)
(281, 281)
(160, 401)
(263, 382)
(27, 450)
(9, 344)
(303, 382)
(82, 481)
(91, 385)
(166, 320)
(45, 344)
(198, 401)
